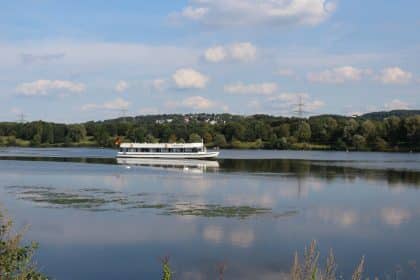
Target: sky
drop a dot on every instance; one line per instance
(80, 60)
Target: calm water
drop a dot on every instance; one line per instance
(97, 219)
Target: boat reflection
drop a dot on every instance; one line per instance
(186, 165)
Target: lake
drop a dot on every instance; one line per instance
(96, 218)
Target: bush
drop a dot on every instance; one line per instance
(15, 259)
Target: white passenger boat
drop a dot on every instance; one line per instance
(166, 150)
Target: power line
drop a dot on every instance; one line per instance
(21, 118)
(300, 107)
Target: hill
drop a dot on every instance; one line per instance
(385, 114)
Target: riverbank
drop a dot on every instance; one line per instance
(7, 141)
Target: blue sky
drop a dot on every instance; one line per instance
(72, 61)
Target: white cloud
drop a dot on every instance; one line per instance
(121, 86)
(338, 75)
(256, 12)
(240, 88)
(45, 87)
(241, 51)
(395, 75)
(197, 103)
(215, 54)
(194, 13)
(397, 104)
(187, 78)
(116, 104)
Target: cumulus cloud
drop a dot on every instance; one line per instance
(240, 88)
(197, 103)
(194, 13)
(394, 75)
(187, 78)
(215, 54)
(257, 12)
(45, 87)
(397, 104)
(121, 86)
(242, 51)
(338, 75)
(116, 104)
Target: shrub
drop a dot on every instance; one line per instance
(15, 259)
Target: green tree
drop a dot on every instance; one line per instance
(350, 128)
(102, 137)
(150, 139)
(303, 132)
(393, 129)
(137, 134)
(369, 130)
(359, 142)
(412, 126)
(283, 130)
(36, 140)
(172, 138)
(380, 144)
(207, 138)
(77, 132)
(220, 140)
(195, 138)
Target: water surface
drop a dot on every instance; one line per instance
(96, 219)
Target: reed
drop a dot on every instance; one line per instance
(309, 269)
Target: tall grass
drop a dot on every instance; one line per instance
(310, 269)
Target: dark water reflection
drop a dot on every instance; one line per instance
(105, 220)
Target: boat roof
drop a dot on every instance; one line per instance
(161, 145)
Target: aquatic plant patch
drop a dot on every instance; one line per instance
(97, 199)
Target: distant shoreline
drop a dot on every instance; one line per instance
(395, 131)
(308, 148)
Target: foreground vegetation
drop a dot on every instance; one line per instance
(15, 258)
(398, 131)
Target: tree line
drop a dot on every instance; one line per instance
(329, 132)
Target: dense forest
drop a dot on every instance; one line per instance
(382, 131)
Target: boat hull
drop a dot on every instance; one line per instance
(199, 155)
